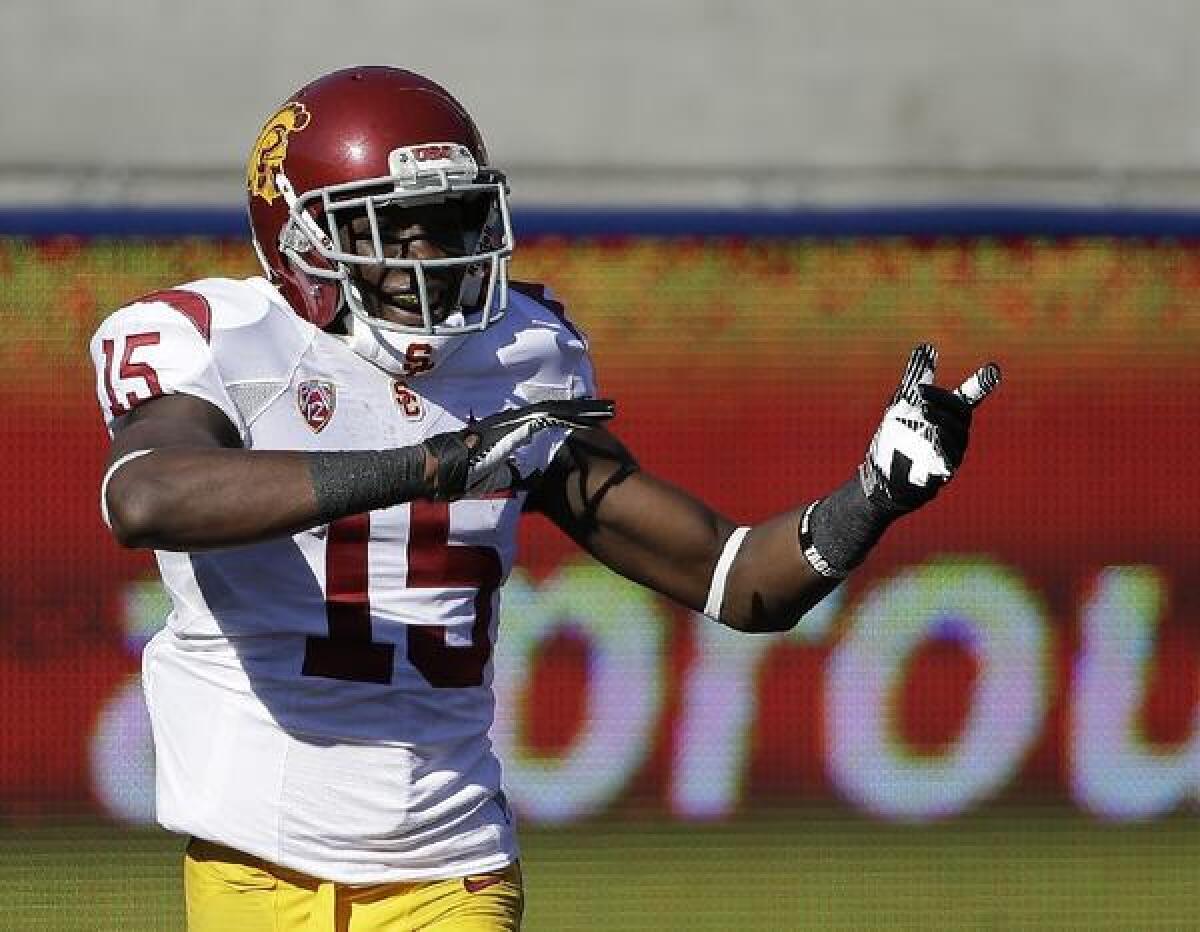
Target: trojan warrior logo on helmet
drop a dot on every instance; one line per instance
(271, 149)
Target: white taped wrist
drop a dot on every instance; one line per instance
(112, 471)
(716, 588)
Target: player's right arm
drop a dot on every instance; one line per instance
(179, 479)
(180, 476)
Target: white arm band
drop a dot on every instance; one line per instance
(112, 470)
(716, 589)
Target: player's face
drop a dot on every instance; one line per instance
(432, 231)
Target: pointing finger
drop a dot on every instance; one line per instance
(979, 385)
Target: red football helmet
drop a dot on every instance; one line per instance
(357, 141)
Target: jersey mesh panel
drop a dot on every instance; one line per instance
(252, 398)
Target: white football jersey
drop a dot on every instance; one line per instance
(323, 700)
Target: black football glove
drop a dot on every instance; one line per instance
(477, 459)
(923, 437)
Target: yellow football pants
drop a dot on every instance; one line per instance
(227, 891)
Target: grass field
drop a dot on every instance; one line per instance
(1006, 870)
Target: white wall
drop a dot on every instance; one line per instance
(719, 101)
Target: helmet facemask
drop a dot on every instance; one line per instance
(473, 283)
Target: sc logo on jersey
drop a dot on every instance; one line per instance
(408, 401)
(317, 400)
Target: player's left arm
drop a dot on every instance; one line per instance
(765, 577)
(659, 535)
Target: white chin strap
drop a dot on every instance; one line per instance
(400, 354)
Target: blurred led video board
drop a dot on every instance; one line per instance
(1031, 635)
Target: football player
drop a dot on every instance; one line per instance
(330, 462)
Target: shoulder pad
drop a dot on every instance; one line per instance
(225, 340)
(253, 333)
(536, 302)
(537, 344)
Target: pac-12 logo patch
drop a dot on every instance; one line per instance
(317, 400)
(271, 148)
